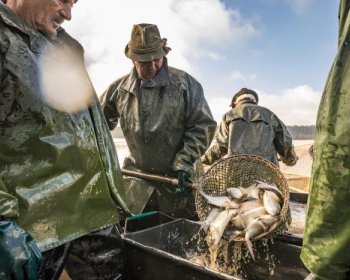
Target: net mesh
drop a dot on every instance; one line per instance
(242, 171)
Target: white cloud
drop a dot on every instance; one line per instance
(210, 22)
(196, 29)
(294, 106)
(191, 26)
(218, 107)
(299, 6)
(237, 76)
(212, 55)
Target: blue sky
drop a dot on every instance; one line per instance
(281, 48)
(293, 46)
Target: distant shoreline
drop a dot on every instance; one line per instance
(300, 173)
(120, 141)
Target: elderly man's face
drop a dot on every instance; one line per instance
(46, 15)
(148, 70)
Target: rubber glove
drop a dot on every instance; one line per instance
(20, 256)
(183, 180)
(292, 162)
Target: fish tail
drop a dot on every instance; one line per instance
(241, 218)
(249, 246)
(203, 225)
(234, 235)
(201, 192)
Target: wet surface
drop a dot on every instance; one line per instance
(173, 245)
(298, 213)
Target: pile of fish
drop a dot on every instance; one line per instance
(249, 211)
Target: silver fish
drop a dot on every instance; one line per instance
(268, 220)
(219, 201)
(219, 224)
(234, 193)
(237, 222)
(254, 228)
(265, 186)
(271, 203)
(250, 204)
(250, 192)
(248, 216)
(210, 218)
(234, 234)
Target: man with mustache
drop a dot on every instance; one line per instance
(165, 119)
(60, 183)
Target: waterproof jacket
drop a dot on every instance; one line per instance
(166, 122)
(251, 129)
(59, 174)
(326, 243)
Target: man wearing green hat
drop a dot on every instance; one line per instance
(60, 182)
(251, 129)
(165, 119)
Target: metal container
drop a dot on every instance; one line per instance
(157, 247)
(146, 220)
(160, 253)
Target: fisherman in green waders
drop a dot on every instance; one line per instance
(166, 122)
(60, 182)
(326, 246)
(249, 128)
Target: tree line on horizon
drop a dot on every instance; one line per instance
(302, 132)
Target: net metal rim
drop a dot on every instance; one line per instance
(271, 174)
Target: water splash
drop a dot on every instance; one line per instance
(231, 258)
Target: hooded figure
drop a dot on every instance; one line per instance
(251, 129)
(166, 122)
(326, 242)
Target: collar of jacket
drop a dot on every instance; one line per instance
(133, 82)
(36, 39)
